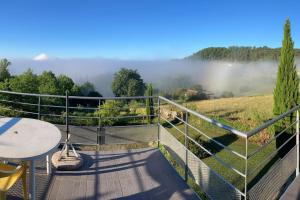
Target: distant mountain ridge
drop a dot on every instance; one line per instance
(238, 53)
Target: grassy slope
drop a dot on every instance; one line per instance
(242, 113)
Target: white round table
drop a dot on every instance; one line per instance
(27, 139)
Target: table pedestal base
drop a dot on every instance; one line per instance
(66, 163)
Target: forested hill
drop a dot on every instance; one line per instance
(235, 53)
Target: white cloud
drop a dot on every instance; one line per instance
(41, 57)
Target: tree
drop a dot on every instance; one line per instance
(92, 102)
(227, 94)
(109, 112)
(286, 92)
(149, 104)
(128, 82)
(48, 83)
(197, 92)
(236, 53)
(4, 73)
(86, 88)
(26, 82)
(65, 83)
(5, 85)
(94, 94)
(76, 90)
(199, 152)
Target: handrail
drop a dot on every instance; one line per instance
(212, 121)
(206, 150)
(111, 98)
(272, 154)
(272, 121)
(75, 97)
(32, 94)
(217, 158)
(270, 141)
(212, 139)
(17, 102)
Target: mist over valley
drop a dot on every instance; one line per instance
(241, 78)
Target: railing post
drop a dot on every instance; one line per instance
(158, 122)
(48, 160)
(99, 124)
(186, 170)
(67, 122)
(246, 169)
(39, 108)
(297, 142)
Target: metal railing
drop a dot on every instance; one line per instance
(251, 175)
(179, 137)
(68, 110)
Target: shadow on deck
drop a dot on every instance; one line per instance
(131, 174)
(293, 191)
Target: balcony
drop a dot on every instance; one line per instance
(132, 155)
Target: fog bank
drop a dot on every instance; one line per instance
(240, 78)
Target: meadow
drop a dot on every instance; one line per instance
(243, 113)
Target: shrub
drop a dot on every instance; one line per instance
(198, 151)
(108, 111)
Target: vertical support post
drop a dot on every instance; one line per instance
(158, 121)
(67, 122)
(297, 142)
(32, 180)
(48, 164)
(39, 108)
(246, 169)
(186, 170)
(99, 124)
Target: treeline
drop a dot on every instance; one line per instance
(45, 83)
(184, 94)
(126, 83)
(183, 89)
(236, 53)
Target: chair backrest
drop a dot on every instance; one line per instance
(7, 170)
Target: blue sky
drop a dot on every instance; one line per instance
(140, 29)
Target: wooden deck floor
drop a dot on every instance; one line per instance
(133, 174)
